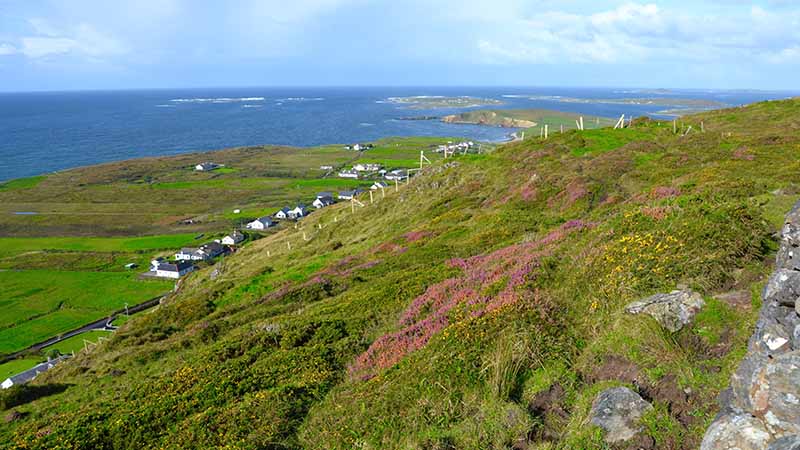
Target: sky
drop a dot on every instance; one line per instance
(118, 44)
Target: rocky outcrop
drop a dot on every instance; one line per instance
(673, 311)
(618, 411)
(761, 409)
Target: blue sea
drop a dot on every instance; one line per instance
(51, 131)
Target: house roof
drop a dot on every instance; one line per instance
(28, 375)
(188, 250)
(324, 194)
(175, 267)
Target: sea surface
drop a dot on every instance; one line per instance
(51, 131)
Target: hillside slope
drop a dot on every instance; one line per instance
(481, 306)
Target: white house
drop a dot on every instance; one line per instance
(262, 223)
(397, 174)
(378, 185)
(207, 166)
(283, 213)
(298, 212)
(155, 262)
(322, 202)
(235, 238)
(348, 195)
(348, 174)
(174, 270)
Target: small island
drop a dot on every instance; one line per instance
(436, 102)
(524, 118)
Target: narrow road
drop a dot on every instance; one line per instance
(101, 324)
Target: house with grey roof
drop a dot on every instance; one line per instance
(174, 270)
(237, 236)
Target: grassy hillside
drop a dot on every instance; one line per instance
(482, 306)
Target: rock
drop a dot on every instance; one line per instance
(783, 288)
(796, 338)
(776, 338)
(742, 432)
(786, 443)
(673, 311)
(617, 411)
(777, 397)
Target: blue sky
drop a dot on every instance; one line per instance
(107, 44)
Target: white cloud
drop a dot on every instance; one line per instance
(7, 49)
(81, 40)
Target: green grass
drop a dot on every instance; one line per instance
(15, 246)
(38, 304)
(436, 317)
(75, 343)
(16, 366)
(22, 183)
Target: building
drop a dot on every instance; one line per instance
(349, 195)
(174, 270)
(207, 166)
(283, 213)
(323, 201)
(379, 185)
(347, 173)
(367, 167)
(189, 254)
(155, 262)
(262, 223)
(236, 237)
(212, 250)
(397, 174)
(298, 212)
(30, 374)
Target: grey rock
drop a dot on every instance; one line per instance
(618, 411)
(783, 287)
(776, 338)
(786, 443)
(796, 338)
(777, 397)
(745, 379)
(673, 311)
(742, 432)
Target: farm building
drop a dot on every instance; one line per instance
(174, 270)
(397, 174)
(367, 167)
(189, 254)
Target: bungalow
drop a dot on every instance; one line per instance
(235, 237)
(348, 195)
(30, 374)
(262, 223)
(378, 185)
(397, 174)
(207, 166)
(283, 213)
(212, 250)
(298, 212)
(174, 270)
(348, 174)
(155, 262)
(322, 201)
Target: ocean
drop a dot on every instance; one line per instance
(51, 131)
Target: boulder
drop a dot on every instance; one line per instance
(742, 432)
(673, 311)
(786, 443)
(783, 287)
(618, 411)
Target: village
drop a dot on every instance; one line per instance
(189, 259)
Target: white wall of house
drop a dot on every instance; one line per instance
(167, 274)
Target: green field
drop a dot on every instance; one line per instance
(15, 246)
(16, 366)
(75, 343)
(38, 304)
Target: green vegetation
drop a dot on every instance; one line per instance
(21, 183)
(482, 306)
(16, 366)
(38, 304)
(15, 246)
(75, 343)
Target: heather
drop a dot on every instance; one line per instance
(482, 306)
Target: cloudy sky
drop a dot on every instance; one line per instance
(102, 44)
